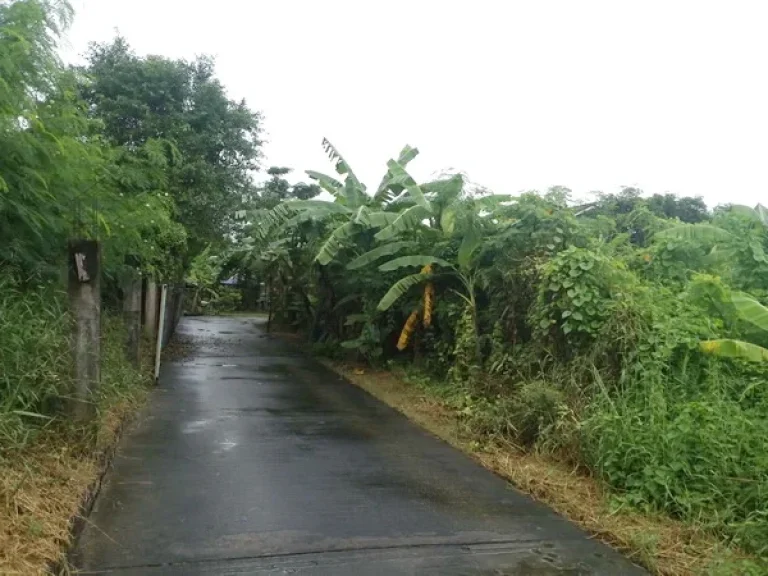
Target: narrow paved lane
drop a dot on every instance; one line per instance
(252, 458)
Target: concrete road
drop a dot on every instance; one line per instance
(253, 459)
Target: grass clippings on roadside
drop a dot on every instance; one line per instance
(662, 545)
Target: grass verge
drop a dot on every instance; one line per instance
(47, 483)
(662, 545)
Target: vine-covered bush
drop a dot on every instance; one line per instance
(575, 295)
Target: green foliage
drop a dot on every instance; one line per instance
(615, 335)
(36, 362)
(416, 260)
(399, 289)
(34, 357)
(209, 144)
(695, 453)
(146, 154)
(729, 348)
(465, 368)
(535, 410)
(574, 296)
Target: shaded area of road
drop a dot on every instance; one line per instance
(252, 458)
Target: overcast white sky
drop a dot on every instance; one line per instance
(666, 95)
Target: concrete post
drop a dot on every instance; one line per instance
(160, 330)
(85, 302)
(150, 309)
(132, 316)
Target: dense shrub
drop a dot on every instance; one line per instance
(697, 454)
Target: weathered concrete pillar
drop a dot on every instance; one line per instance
(132, 316)
(161, 329)
(85, 302)
(150, 309)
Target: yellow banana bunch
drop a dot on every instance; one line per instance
(429, 297)
(413, 319)
(410, 326)
(429, 303)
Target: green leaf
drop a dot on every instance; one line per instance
(746, 211)
(762, 213)
(317, 206)
(416, 260)
(103, 223)
(354, 193)
(750, 310)
(378, 252)
(339, 163)
(31, 414)
(408, 219)
(727, 348)
(327, 183)
(335, 242)
(578, 316)
(398, 289)
(381, 219)
(406, 155)
(448, 220)
(758, 254)
(469, 244)
(699, 232)
(444, 191)
(401, 177)
(491, 201)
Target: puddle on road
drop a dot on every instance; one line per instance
(194, 426)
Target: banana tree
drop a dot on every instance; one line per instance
(438, 214)
(352, 209)
(727, 246)
(463, 269)
(751, 311)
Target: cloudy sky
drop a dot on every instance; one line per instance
(666, 95)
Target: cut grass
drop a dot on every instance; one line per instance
(662, 545)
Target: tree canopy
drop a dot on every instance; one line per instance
(148, 154)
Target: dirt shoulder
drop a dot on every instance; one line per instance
(662, 545)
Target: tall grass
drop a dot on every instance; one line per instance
(693, 445)
(47, 462)
(35, 364)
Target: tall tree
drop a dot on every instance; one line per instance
(46, 166)
(278, 189)
(211, 143)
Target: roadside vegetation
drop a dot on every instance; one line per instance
(147, 155)
(620, 341)
(623, 338)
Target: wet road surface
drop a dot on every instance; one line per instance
(253, 459)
